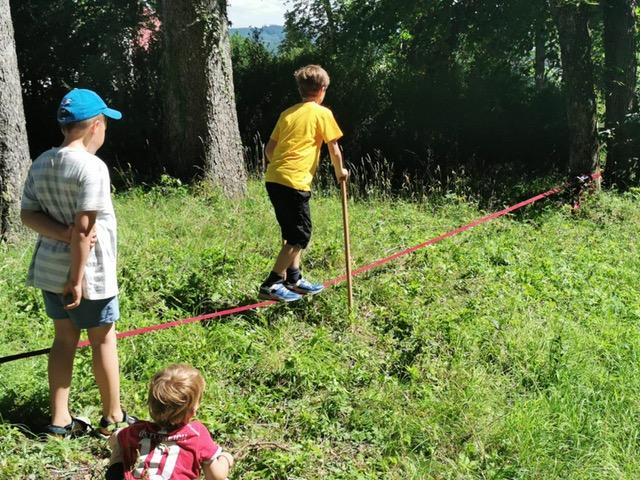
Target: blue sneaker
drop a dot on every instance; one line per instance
(303, 287)
(278, 292)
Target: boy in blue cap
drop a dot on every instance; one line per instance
(66, 197)
(293, 152)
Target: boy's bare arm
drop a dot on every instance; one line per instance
(219, 468)
(269, 149)
(46, 226)
(336, 159)
(80, 246)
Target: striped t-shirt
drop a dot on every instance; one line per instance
(61, 183)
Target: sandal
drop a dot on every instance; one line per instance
(106, 428)
(78, 427)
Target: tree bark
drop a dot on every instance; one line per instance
(14, 150)
(200, 122)
(572, 21)
(620, 77)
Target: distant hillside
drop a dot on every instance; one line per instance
(270, 35)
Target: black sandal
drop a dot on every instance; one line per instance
(106, 428)
(78, 427)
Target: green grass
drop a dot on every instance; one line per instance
(507, 352)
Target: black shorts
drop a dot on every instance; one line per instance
(292, 212)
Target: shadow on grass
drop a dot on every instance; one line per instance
(28, 413)
(254, 316)
(268, 315)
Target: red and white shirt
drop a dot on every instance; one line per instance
(147, 449)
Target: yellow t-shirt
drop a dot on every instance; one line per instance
(299, 134)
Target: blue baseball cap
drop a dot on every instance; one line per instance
(80, 104)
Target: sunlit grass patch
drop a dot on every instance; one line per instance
(509, 351)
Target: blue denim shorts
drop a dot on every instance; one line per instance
(89, 314)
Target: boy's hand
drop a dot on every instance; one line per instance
(228, 457)
(342, 175)
(219, 468)
(336, 158)
(74, 291)
(93, 236)
(69, 233)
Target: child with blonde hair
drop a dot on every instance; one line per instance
(67, 201)
(293, 153)
(173, 446)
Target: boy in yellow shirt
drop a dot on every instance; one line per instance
(293, 153)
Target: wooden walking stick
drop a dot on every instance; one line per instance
(347, 242)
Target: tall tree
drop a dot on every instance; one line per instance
(200, 122)
(14, 152)
(620, 76)
(572, 20)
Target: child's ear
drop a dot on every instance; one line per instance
(190, 414)
(98, 121)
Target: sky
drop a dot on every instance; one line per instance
(256, 13)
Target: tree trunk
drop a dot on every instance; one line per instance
(14, 150)
(200, 122)
(572, 22)
(620, 77)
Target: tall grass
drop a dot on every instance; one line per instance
(375, 176)
(509, 352)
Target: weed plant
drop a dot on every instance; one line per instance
(507, 352)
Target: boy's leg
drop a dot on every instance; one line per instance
(273, 286)
(293, 270)
(60, 369)
(289, 257)
(292, 212)
(106, 369)
(295, 264)
(294, 281)
(297, 284)
(294, 218)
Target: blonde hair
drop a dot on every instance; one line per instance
(82, 124)
(174, 394)
(311, 79)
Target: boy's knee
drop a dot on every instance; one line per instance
(102, 334)
(294, 247)
(68, 342)
(298, 238)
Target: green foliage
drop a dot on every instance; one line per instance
(92, 45)
(508, 352)
(434, 87)
(210, 22)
